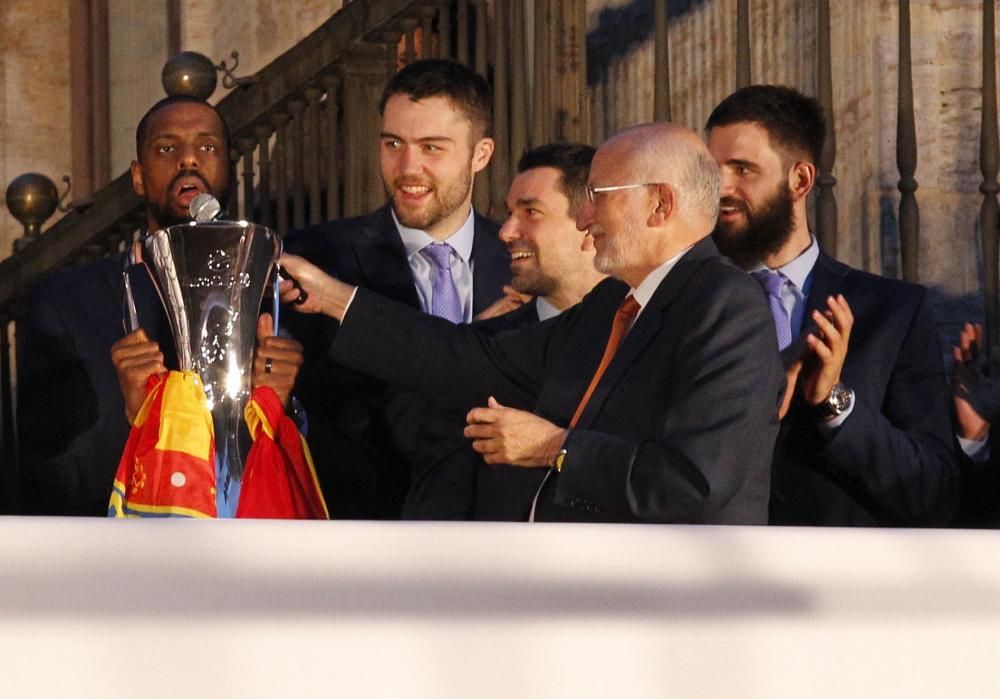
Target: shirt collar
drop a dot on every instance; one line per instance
(544, 309)
(644, 292)
(415, 240)
(798, 270)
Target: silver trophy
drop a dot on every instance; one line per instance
(211, 277)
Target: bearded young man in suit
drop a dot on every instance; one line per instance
(73, 418)
(866, 439)
(435, 136)
(653, 400)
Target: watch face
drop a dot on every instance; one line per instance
(839, 400)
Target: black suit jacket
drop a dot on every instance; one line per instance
(682, 425)
(893, 460)
(980, 489)
(364, 435)
(455, 482)
(71, 414)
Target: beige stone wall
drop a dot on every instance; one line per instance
(260, 30)
(947, 78)
(137, 50)
(34, 97)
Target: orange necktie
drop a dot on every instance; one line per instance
(623, 321)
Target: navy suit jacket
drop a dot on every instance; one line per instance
(680, 428)
(366, 436)
(893, 461)
(71, 414)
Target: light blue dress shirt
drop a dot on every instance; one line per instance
(423, 270)
(798, 272)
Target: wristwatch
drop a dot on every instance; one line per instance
(839, 400)
(557, 460)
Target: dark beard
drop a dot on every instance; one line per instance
(534, 284)
(767, 230)
(165, 217)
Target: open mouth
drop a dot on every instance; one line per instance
(187, 185)
(521, 255)
(188, 189)
(412, 193)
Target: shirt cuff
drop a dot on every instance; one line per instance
(830, 427)
(347, 306)
(976, 449)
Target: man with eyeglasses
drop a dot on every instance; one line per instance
(654, 400)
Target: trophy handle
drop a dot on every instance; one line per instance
(130, 311)
(276, 285)
(130, 316)
(276, 297)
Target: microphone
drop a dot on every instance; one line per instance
(204, 208)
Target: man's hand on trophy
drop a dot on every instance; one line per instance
(277, 360)
(136, 358)
(311, 290)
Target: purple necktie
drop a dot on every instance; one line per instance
(773, 283)
(444, 295)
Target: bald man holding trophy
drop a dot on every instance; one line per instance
(210, 438)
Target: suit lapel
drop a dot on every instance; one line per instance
(490, 266)
(382, 259)
(827, 280)
(647, 326)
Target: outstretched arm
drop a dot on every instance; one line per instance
(311, 290)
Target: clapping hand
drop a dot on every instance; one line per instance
(976, 396)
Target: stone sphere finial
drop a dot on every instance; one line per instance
(189, 73)
(32, 199)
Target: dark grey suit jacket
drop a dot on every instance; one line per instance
(681, 427)
(364, 435)
(893, 461)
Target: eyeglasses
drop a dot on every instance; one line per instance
(592, 192)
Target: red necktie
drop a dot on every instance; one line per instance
(623, 321)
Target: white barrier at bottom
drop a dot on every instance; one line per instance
(365, 609)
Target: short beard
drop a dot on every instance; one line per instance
(165, 217)
(768, 229)
(445, 203)
(536, 283)
(620, 254)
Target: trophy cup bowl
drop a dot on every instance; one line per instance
(211, 278)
